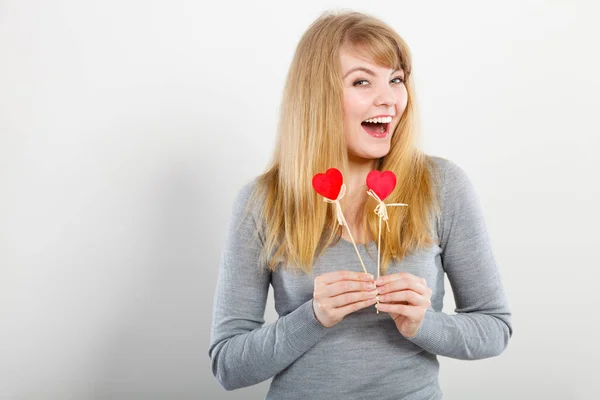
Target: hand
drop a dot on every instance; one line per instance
(406, 298)
(340, 293)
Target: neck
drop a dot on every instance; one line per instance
(357, 176)
(356, 187)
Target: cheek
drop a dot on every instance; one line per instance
(355, 105)
(347, 106)
(401, 98)
(351, 111)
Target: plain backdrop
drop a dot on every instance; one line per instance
(127, 127)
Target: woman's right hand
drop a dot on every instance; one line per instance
(340, 293)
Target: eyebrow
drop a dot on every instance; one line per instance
(367, 70)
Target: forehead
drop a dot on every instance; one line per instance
(353, 59)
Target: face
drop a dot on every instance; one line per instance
(370, 91)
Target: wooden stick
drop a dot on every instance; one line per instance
(350, 233)
(378, 255)
(381, 210)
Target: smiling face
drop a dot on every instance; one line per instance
(374, 99)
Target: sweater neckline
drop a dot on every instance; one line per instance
(349, 243)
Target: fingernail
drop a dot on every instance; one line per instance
(379, 281)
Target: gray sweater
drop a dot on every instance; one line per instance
(363, 356)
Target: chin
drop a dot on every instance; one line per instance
(372, 153)
(379, 150)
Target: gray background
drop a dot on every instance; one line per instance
(127, 127)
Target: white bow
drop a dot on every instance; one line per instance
(381, 209)
(338, 208)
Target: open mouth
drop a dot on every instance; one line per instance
(377, 127)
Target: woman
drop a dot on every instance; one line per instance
(329, 341)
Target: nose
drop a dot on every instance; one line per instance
(385, 95)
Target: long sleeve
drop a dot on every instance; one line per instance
(482, 326)
(242, 350)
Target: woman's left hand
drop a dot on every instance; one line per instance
(406, 298)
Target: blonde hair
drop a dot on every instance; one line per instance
(311, 140)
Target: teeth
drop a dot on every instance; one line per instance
(385, 120)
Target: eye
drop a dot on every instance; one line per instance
(399, 80)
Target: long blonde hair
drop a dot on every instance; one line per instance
(311, 140)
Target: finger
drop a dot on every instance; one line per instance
(413, 298)
(413, 313)
(336, 276)
(350, 308)
(400, 285)
(406, 283)
(337, 288)
(400, 276)
(353, 297)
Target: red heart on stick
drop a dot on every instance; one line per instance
(328, 184)
(382, 183)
